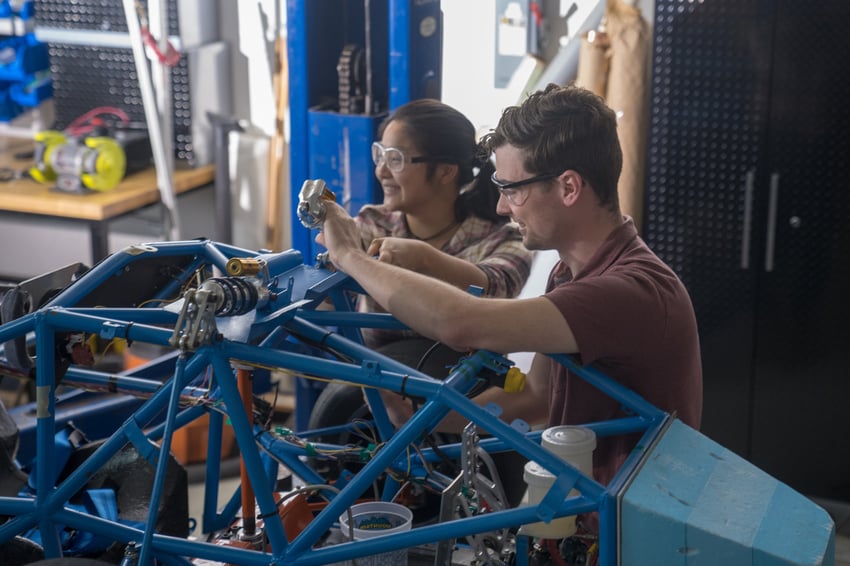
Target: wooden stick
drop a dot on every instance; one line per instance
(275, 213)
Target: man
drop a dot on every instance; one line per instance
(609, 299)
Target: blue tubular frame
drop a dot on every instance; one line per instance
(284, 334)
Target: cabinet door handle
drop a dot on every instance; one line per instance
(748, 218)
(770, 241)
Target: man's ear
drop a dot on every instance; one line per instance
(572, 186)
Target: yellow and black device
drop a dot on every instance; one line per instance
(78, 165)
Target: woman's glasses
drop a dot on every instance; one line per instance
(395, 160)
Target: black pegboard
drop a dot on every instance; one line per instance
(93, 15)
(708, 111)
(709, 99)
(755, 89)
(87, 77)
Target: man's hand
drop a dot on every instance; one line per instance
(339, 234)
(403, 252)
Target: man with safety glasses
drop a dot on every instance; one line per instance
(609, 299)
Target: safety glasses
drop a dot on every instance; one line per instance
(511, 190)
(395, 158)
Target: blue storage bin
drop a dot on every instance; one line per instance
(9, 109)
(25, 12)
(30, 93)
(21, 57)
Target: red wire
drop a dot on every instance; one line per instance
(79, 125)
(537, 13)
(171, 56)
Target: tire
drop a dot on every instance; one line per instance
(341, 403)
(19, 551)
(337, 404)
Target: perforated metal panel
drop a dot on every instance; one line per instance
(87, 77)
(708, 112)
(756, 91)
(94, 15)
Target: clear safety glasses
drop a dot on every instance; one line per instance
(512, 190)
(395, 159)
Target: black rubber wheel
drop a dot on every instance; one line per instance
(340, 403)
(19, 551)
(337, 404)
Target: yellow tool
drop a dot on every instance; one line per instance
(74, 164)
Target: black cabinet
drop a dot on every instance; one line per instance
(748, 199)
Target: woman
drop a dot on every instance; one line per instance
(439, 211)
(439, 218)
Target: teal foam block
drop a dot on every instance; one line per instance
(694, 503)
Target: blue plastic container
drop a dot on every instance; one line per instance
(22, 57)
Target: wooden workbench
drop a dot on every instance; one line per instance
(97, 209)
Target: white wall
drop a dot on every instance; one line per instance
(251, 28)
(470, 44)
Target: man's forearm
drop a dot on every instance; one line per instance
(421, 302)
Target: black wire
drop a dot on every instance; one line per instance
(430, 439)
(427, 354)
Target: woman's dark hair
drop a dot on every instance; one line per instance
(565, 127)
(438, 130)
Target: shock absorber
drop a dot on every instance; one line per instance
(216, 297)
(234, 296)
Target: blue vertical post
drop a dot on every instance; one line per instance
(299, 149)
(399, 38)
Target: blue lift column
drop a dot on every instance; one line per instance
(351, 62)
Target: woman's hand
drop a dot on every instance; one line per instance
(403, 252)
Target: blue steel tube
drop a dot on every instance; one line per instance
(79, 477)
(497, 427)
(382, 460)
(45, 434)
(288, 454)
(243, 429)
(163, 545)
(611, 388)
(17, 327)
(176, 387)
(203, 251)
(432, 533)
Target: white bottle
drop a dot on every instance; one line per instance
(573, 444)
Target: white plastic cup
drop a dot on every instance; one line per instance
(574, 445)
(377, 518)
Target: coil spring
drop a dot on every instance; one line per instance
(238, 296)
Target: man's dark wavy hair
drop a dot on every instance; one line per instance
(565, 127)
